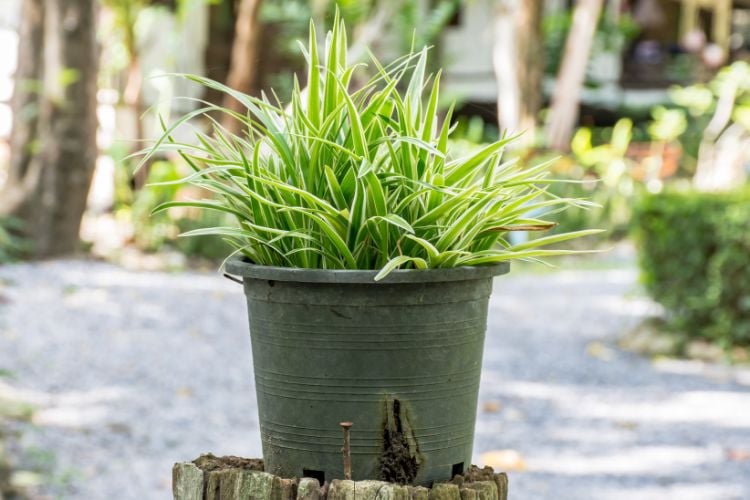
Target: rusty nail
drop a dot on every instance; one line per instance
(345, 426)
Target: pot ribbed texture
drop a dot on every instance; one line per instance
(401, 359)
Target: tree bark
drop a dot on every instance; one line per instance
(245, 54)
(518, 63)
(51, 173)
(530, 63)
(133, 92)
(24, 140)
(505, 59)
(217, 55)
(563, 113)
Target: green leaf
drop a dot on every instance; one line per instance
(459, 169)
(396, 221)
(206, 205)
(313, 79)
(397, 262)
(334, 188)
(555, 238)
(359, 179)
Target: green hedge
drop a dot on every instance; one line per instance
(694, 253)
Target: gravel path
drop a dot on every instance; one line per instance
(132, 371)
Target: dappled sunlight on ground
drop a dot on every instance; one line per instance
(586, 420)
(646, 461)
(128, 371)
(131, 371)
(715, 408)
(682, 490)
(74, 409)
(718, 373)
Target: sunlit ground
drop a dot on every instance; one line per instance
(129, 372)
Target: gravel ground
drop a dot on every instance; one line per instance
(132, 371)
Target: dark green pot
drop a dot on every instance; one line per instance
(400, 358)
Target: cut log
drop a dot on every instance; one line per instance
(234, 478)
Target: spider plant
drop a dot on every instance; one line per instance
(360, 178)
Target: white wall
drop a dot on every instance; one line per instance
(466, 53)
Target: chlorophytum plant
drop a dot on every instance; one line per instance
(361, 177)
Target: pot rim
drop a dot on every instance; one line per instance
(239, 267)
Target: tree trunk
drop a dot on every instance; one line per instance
(24, 140)
(518, 63)
(50, 176)
(530, 63)
(133, 92)
(133, 97)
(505, 59)
(245, 54)
(563, 113)
(217, 54)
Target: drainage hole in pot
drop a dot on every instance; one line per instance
(271, 283)
(315, 474)
(457, 469)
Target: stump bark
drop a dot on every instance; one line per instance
(234, 478)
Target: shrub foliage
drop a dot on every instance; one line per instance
(695, 261)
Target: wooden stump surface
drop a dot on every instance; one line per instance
(234, 478)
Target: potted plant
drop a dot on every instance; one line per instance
(367, 254)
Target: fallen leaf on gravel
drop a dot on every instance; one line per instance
(119, 428)
(599, 351)
(504, 460)
(491, 406)
(627, 424)
(185, 392)
(738, 455)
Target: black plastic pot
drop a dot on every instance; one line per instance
(400, 358)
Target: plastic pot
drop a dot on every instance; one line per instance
(400, 358)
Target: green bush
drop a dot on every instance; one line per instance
(695, 260)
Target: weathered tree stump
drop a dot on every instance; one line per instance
(234, 478)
